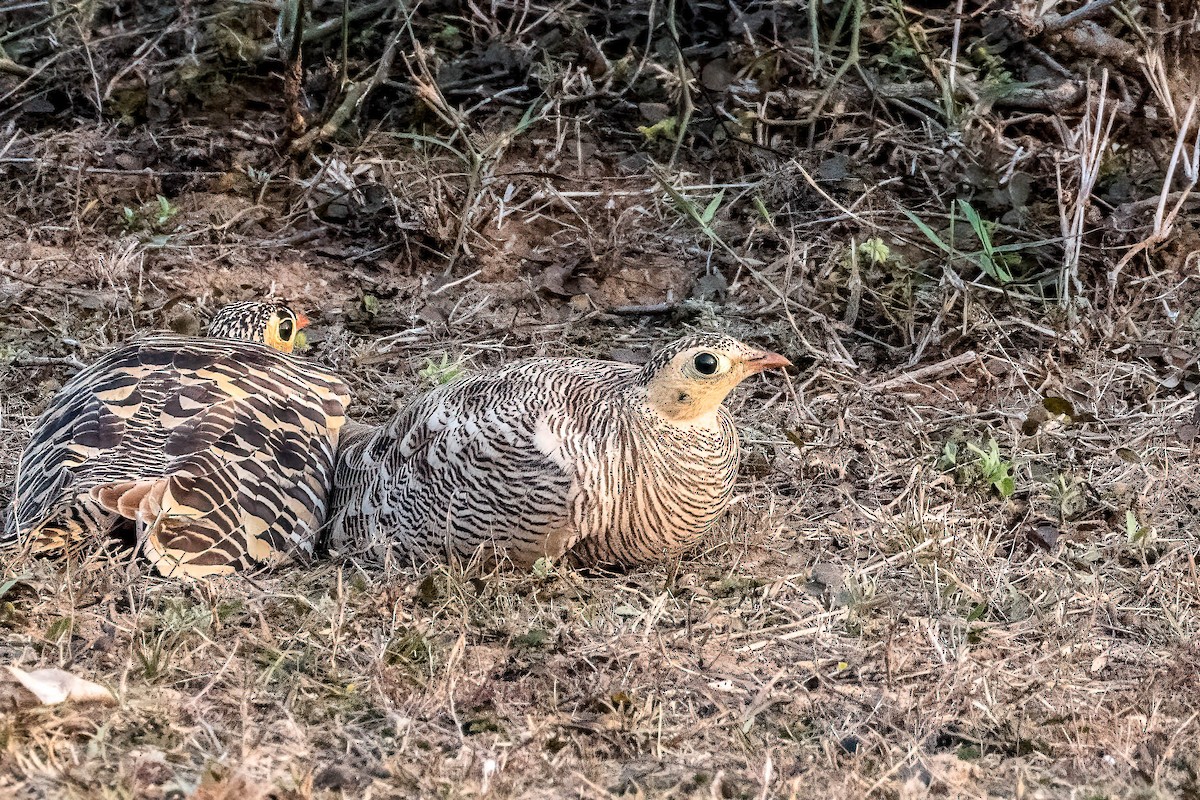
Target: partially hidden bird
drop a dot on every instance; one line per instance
(216, 454)
(606, 463)
(273, 324)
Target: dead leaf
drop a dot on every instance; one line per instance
(1044, 534)
(553, 278)
(1057, 405)
(1033, 422)
(716, 75)
(1128, 455)
(1186, 433)
(52, 686)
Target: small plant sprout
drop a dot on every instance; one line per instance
(993, 260)
(1135, 531)
(149, 216)
(441, 371)
(875, 250)
(996, 471)
(164, 212)
(990, 467)
(948, 458)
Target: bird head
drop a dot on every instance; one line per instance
(272, 324)
(689, 379)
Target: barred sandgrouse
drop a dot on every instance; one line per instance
(273, 324)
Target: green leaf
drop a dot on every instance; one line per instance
(875, 250)
(949, 457)
(663, 129)
(761, 208)
(7, 586)
(1134, 530)
(59, 628)
(982, 232)
(993, 268)
(710, 210)
(1012, 248)
(928, 231)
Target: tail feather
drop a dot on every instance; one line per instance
(136, 500)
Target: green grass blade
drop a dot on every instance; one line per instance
(928, 231)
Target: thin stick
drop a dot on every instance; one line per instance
(919, 375)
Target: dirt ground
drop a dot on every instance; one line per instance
(961, 561)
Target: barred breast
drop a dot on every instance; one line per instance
(610, 463)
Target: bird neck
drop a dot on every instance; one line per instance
(684, 412)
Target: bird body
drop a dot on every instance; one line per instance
(220, 451)
(612, 463)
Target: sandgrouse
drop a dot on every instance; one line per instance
(273, 324)
(217, 453)
(610, 463)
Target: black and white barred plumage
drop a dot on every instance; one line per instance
(272, 324)
(611, 463)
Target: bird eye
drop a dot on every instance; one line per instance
(285, 330)
(706, 363)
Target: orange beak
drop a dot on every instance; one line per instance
(301, 320)
(763, 360)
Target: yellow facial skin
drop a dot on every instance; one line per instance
(283, 331)
(693, 387)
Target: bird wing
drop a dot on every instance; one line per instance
(489, 461)
(223, 449)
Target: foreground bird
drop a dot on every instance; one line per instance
(613, 463)
(218, 453)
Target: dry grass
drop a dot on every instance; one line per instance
(870, 620)
(860, 624)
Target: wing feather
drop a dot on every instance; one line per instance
(223, 449)
(489, 461)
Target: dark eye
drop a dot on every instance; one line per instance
(706, 363)
(285, 330)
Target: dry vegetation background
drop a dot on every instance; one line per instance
(962, 560)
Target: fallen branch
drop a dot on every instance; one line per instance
(1058, 97)
(356, 93)
(931, 371)
(49, 361)
(329, 27)
(1053, 23)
